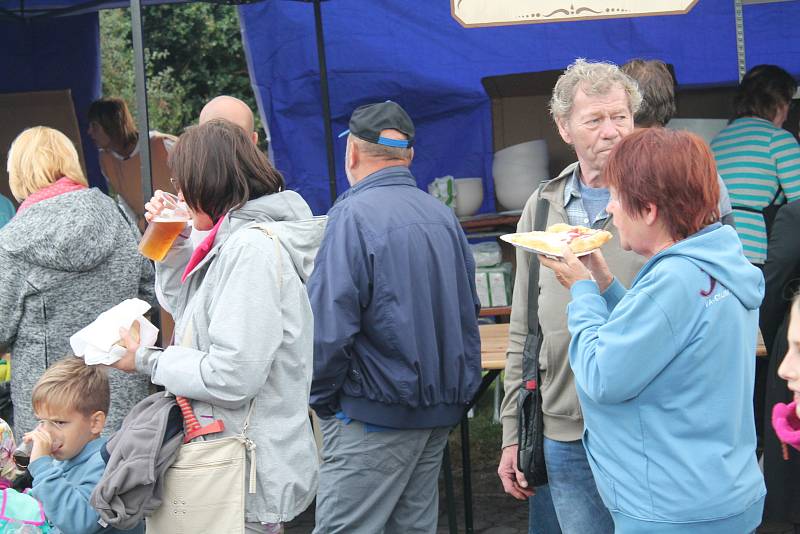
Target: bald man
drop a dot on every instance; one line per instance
(233, 110)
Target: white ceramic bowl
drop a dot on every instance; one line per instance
(527, 153)
(469, 195)
(517, 171)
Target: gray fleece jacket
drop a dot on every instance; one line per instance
(63, 261)
(244, 334)
(132, 485)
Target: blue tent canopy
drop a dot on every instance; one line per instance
(413, 52)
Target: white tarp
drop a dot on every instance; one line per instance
(505, 12)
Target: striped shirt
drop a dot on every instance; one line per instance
(760, 165)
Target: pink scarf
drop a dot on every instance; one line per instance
(59, 187)
(202, 250)
(786, 425)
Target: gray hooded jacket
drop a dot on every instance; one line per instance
(63, 261)
(132, 485)
(246, 335)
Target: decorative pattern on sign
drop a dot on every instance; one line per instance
(505, 12)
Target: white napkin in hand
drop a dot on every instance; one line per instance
(97, 343)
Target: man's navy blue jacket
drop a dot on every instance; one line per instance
(396, 339)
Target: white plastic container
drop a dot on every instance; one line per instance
(517, 172)
(469, 196)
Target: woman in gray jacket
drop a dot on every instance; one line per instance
(67, 255)
(244, 328)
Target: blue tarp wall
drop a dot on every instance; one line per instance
(415, 53)
(411, 51)
(45, 54)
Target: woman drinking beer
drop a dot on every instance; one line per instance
(244, 327)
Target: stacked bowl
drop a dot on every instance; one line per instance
(517, 172)
(469, 196)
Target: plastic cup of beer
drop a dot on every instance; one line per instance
(164, 228)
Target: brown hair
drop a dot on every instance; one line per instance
(74, 385)
(218, 168)
(762, 90)
(674, 170)
(657, 85)
(113, 116)
(40, 156)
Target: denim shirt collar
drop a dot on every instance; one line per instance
(572, 190)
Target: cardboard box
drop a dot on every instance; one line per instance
(498, 285)
(19, 111)
(482, 284)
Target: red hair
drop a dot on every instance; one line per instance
(672, 169)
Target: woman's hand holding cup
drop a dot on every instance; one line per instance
(155, 206)
(167, 216)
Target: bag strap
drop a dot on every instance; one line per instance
(539, 223)
(248, 443)
(266, 230)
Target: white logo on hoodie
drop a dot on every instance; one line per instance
(710, 301)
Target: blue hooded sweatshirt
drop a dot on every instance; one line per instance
(665, 373)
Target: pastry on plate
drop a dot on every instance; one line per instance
(581, 240)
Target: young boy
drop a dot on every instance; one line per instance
(71, 401)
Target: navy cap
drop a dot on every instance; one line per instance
(368, 121)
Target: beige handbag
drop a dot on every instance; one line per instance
(204, 488)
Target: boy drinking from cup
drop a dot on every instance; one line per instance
(71, 401)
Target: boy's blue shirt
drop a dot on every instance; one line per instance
(64, 489)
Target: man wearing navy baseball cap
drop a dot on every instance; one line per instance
(396, 343)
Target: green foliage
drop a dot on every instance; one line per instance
(193, 52)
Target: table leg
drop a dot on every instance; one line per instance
(486, 381)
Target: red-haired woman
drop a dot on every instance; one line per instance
(664, 370)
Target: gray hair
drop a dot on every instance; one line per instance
(594, 78)
(381, 152)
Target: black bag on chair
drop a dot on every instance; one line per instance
(530, 437)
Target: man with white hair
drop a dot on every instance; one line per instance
(593, 105)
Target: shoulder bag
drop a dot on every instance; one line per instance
(530, 454)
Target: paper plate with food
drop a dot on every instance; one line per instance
(551, 242)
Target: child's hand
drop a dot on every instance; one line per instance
(42, 443)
